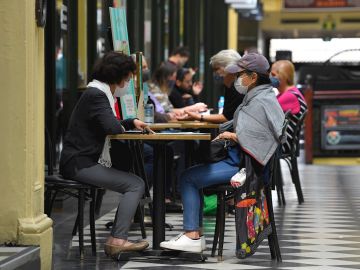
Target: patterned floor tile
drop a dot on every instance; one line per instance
(323, 233)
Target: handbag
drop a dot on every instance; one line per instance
(218, 150)
(251, 211)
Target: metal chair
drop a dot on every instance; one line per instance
(55, 183)
(225, 192)
(291, 160)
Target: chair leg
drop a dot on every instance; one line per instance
(141, 221)
(52, 200)
(81, 202)
(76, 225)
(98, 201)
(222, 225)
(216, 233)
(92, 220)
(272, 247)
(143, 175)
(274, 241)
(280, 183)
(296, 180)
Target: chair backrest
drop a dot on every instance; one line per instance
(282, 137)
(292, 143)
(273, 160)
(295, 147)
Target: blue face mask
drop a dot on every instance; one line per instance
(274, 82)
(219, 79)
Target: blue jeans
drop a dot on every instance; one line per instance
(200, 176)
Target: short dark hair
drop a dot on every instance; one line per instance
(182, 51)
(181, 73)
(113, 67)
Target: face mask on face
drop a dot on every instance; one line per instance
(120, 91)
(274, 82)
(219, 79)
(146, 75)
(240, 87)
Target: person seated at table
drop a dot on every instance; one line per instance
(289, 97)
(161, 86)
(85, 154)
(185, 92)
(160, 116)
(258, 124)
(232, 98)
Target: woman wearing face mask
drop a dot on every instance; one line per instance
(232, 99)
(289, 97)
(258, 123)
(163, 80)
(85, 156)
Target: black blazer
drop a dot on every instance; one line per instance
(91, 120)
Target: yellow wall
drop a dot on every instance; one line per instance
(22, 129)
(82, 48)
(233, 29)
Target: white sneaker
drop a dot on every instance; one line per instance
(203, 242)
(239, 178)
(183, 243)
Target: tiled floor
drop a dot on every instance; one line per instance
(25, 257)
(322, 233)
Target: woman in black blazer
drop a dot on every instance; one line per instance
(85, 156)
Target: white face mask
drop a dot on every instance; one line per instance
(240, 87)
(120, 91)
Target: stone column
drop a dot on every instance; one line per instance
(22, 215)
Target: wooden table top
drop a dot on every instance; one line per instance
(197, 124)
(183, 125)
(181, 136)
(161, 126)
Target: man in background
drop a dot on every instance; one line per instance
(179, 57)
(185, 92)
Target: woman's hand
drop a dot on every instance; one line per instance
(197, 107)
(227, 135)
(142, 126)
(139, 124)
(190, 116)
(172, 116)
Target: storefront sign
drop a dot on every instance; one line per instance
(340, 127)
